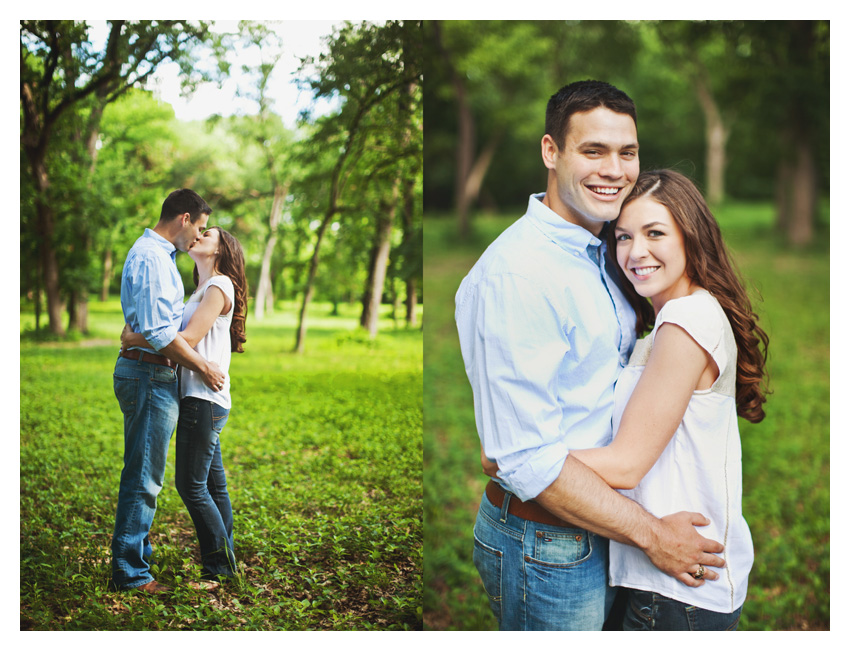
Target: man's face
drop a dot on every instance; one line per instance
(190, 232)
(595, 170)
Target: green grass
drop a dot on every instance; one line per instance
(786, 457)
(324, 459)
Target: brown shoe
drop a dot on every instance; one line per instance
(153, 588)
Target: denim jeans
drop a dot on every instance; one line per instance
(650, 611)
(541, 577)
(147, 395)
(202, 484)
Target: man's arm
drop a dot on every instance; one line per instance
(180, 351)
(580, 496)
(177, 352)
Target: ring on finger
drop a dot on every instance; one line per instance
(699, 573)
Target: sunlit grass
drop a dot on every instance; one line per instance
(323, 452)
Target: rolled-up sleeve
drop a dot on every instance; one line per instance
(154, 308)
(506, 325)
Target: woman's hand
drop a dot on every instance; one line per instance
(490, 468)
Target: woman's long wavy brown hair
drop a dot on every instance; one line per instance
(709, 266)
(231, 263)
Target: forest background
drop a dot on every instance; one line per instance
(323, 447)
(742, 108)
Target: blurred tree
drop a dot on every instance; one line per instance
(765, 77)
(265, 130)
(367, 67)
(137, 146)
(399, 140)
(63, 77)
(498, 76)
(793, 65)
(494, 69)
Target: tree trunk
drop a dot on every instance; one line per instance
(37, 298)
(801, 226)
(49, 265)
(79, 310)
(106, 279)
(409, 233)
(410, 302)
(784, 180)
(716, 137)
(366, 301)
(265, 296)
(383, 241)
(463, 156)
(465, 149)
(796, 192)
(309, 287)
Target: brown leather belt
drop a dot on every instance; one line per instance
(162, 360)
(529, 510)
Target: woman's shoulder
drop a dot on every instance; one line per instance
(222, 282)
(699, 313)
(698, 306)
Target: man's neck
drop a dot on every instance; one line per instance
(165, 231)
(552, 202)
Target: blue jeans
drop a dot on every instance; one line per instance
(650, 611)
(147, 395)
(541, 577)
(202, 484)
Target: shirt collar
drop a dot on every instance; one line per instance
(567, 235)
(167, 246)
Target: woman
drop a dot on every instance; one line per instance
(677, 445)
(214, 325)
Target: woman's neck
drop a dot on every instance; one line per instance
(206, 270)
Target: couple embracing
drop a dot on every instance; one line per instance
(173, 371)
(570, 406)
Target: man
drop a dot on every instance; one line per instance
(545, 331)
(145, 379)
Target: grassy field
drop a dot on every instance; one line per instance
(786, 457)
(324, 459)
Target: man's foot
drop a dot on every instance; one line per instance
(153, 588)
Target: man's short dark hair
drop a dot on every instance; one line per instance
(579, 97)
(184, 201)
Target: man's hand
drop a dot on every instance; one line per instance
(179, 351)
(213, 377)
(490, 468)
(126, 331)
(678, 550)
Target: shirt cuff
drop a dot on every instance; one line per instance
(161, 337)
(537, 473)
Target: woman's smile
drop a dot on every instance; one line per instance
(651, 251)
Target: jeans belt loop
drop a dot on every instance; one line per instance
(503, 517)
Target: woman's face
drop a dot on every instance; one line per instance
(651, 251)
(206, 246)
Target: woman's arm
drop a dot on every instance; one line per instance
(654, 411)
(212, 304)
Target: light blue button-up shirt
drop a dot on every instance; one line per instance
(544, 331)
(152, 290)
